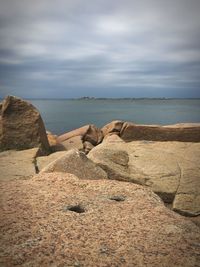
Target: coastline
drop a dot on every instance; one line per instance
(87, 184)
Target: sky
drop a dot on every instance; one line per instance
(100, 48)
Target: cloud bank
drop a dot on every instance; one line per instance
(74, 48)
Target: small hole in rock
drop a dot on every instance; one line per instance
(117, 198)
(75, 208)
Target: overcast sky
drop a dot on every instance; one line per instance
(100, 48)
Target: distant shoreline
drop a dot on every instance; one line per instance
(119, 98)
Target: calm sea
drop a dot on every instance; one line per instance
(64, 115)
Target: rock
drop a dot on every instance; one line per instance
(58, 220)
(114, 162)
(53, 143)
(22, 126)
(93, 135)
(1, 108)
(0, 121)
(77, 132)
(1, 133)
(51, 138)
(112, 138)
(88, 133)
(73, 143)
(77, 163)
(113, 127)
(187, 199)
(171, 169)
(87, 146)
(18, 164)
(180, 132)
(43, 161)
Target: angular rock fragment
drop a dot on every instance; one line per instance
(43, 161)
(113, 127)
(77, 163)
(21, 126)
(89, 133)
(87, 146)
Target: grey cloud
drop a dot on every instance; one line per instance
(101, 48)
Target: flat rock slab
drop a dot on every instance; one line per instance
(17, 164)
(184, 132)
(171, 169)
(58, 220)
(73, 143)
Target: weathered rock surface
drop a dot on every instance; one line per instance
(53, 143)
(113, 127)
(43, 161)
(171, 169)
(73, 143)
(18, 164)
(0, 108)
(119, 224)
(0, 129)
(87, 146)
(88, 133)
(52, 138)
(22, 126)
(77, 132)
(189, 132)
(93, 135)
(77, 163)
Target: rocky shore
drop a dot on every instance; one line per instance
(122, 195)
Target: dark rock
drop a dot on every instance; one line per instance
(88, 133)
(21, 126)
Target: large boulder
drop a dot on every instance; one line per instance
(77, 163)
(189, 132)
(58, 220)
(22, 126)
(171, 169)
(18, 164)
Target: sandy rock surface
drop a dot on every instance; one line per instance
(120, 224)
(18, 164)
(171, 169)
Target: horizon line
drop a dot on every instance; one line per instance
(104, 98)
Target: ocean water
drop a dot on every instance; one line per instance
(61, 116)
